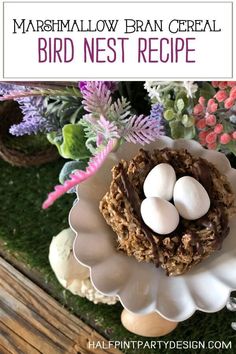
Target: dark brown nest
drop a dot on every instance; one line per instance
(10, 114)
(192, 241)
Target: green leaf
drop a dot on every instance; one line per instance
(180, 105)
(169, 114)
(119, 110)
(169, 103)
(74, 140)
(207, 91)
(228, 128)
(177, 129)
(65, 92)
(69, 168)
(55, 138)
(74, 116)
(181, 96)
(189, 133)
(187, 121)
(67, 109)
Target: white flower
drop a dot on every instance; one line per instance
(152, 89)
(190, 88)
(156, 89)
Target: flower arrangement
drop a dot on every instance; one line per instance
(198, 110)
(85, 123)
(216, 118)
(89, 119)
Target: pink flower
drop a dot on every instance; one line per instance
(201, 123)
(231, 83)
(221, 95)
(211, 138)
(202, 101)
(212, 106)
(209, 116)
(215, 83)
(225, 138)
(229, 103)
(232, 93)
(218, 128)
(198, 109)
(211, 120)
(202, 137)
(223, 85)
(212, 146)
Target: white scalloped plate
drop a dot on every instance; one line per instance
(141, 287)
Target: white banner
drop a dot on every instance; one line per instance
(117, 40)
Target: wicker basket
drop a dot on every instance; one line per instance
(10, 113)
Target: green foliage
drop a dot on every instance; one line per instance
(206, 90)
(90, 134)
(56, 139)
(228, 127)
(178, 130)
(119, 110)
(71, 142)
(177, 98)
(74, 143)
(181, 122)
(180, 105)
(57, 93)
(69, 168)
(169, 114)
(187, 121)
(67, 109)
(28, 144)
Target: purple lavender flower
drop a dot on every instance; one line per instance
(5, 88)
(33, 109)
(34, 122)
(28, 126)
(156, 113)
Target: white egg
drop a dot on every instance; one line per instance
(191, 198)
(158, 214)
(151, 325)
(160, 182)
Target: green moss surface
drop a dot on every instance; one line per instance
(28, 144)
(27, 231)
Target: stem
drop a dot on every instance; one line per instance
(167, 88)
(44, 84)
(16, 94)
(117, 143)
(40, 92)
(225, 110)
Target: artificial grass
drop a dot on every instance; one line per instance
(27, 231)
